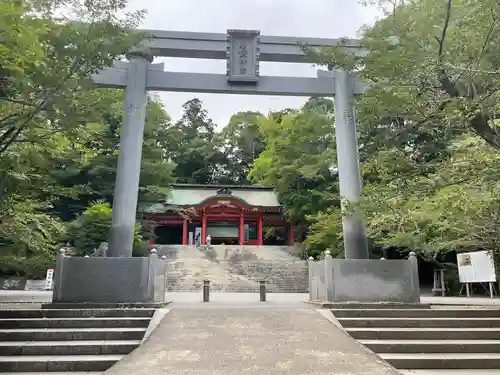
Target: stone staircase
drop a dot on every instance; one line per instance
(427, 340)
(234, 268)
(68, 341)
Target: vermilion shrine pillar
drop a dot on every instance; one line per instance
(204, 228)
(185, 232)
(241, 230)
(290, 240)
(260, 242)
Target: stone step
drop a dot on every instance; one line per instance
(433, 346)
(67, 334)
(450, 372)
(424, 333)
(417, 313)
(73, 347)
(448, 361)
(231, 288)
(103, 305)
(55, 373)
(373, 306)
(50, 363)
(420, 322)
(75, 313)
(82, 322)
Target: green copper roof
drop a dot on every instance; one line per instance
(192, 195)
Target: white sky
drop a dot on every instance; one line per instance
(304, 18)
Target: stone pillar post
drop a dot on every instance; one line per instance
(121, 235)
(329, 285)
(414, 276)
(58, 276)
(355, 243)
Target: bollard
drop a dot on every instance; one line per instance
(262, 291)
(206, 291)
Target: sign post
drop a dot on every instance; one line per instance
(49, 279)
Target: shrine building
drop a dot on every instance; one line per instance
(232, 215)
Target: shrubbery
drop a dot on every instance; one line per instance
(31, 268)
(90, 229)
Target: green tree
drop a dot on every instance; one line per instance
(49, 110)
(299, 161)
(192, 145)
(42, 86)
(241, 142)
(433, 66)
(89, 230)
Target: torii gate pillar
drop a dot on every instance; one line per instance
(121, 236)
(355, 242)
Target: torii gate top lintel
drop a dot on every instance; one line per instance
(243, 51)
(213, 45)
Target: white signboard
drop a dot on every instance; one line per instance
(476, 267)
(49, 279)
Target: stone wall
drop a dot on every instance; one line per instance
(109, 280)
(364, 280)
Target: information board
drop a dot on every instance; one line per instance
(49, 279)
(476, 267)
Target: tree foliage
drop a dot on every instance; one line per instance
(89, 230)
(299, 159)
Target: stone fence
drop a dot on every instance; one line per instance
(364, 280)
(110, 280)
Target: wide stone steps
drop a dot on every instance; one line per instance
(234, 269)
(56, 373)
(433, 346)
(89, 322)
(69, 340)
(419, 322)
(450, 372)
(74, 347)
(448, 361)
(49, 363)
(65, 334)
(424, 333)
(415, 313)
(74, 312)
(432, 339)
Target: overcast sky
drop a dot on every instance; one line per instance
(305, 18)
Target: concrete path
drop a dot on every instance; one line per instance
(240, 298)
(230, 341)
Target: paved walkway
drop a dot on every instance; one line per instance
(223, 297)
(237, 341)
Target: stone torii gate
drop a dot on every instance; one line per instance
(243, 50)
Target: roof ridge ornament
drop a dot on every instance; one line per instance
(224, 191)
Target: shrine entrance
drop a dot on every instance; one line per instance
(243, 51)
